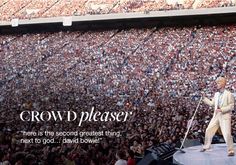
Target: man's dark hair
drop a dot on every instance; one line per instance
(1, 154)
(18, 156)
(121, 154)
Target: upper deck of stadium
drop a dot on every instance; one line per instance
(28, 9)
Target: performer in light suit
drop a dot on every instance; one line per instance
(223, 103)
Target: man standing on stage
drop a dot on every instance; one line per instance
(223, 103)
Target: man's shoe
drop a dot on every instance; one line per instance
(203, 150)
(230, 153)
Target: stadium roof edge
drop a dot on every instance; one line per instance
(123, 17)
(133, 15)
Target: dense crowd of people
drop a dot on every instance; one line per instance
(27, 9)
(156, 73)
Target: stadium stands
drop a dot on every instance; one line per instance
(154, 72)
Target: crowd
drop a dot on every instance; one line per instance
(156, 73)
(27, 9)
(215, 3)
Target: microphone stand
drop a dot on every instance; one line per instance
(190, 124)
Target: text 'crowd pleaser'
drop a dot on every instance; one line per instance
(69, 116)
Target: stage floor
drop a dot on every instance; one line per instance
(218, 155)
